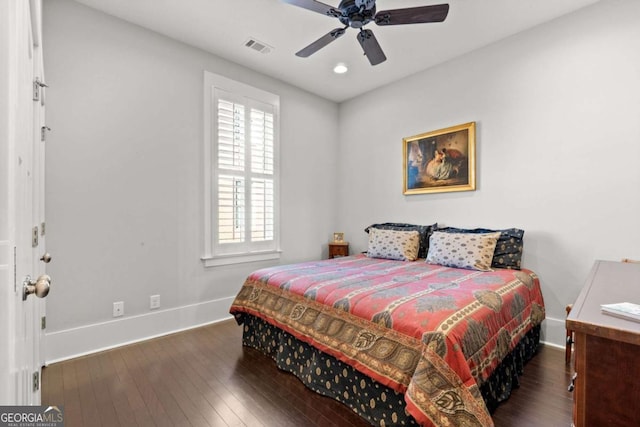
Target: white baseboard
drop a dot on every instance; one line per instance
(76, 342)
(553, 332)
(83, 340)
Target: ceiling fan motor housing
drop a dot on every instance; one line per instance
(368, 4)
(357, 13)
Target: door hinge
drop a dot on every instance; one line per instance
(37, 84)
(34, 236)
(36, 381)
(15, 270)
(43, 132)
(43, 322)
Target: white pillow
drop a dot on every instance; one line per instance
(393, 244)
(462, 250)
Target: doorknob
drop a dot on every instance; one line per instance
(46, 258)
(40, 287)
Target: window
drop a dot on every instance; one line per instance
(241, 172)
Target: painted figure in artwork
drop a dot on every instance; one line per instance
(445, 164)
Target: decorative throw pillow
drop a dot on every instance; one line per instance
(424, 230)
(392, 244)
(508, 253)
(462, 250)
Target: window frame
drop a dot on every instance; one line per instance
(214, 253)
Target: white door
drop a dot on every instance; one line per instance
(22, 201)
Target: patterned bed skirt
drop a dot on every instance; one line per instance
(376, 403)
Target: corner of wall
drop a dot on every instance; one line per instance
(553, 332)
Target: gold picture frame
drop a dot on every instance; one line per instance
(338, 237)
(440, 161)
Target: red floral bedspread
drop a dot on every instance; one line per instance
(431, 332)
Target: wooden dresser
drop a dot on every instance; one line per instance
(607, 349)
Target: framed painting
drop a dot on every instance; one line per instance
(440, 161)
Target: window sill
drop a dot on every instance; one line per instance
(216, 261)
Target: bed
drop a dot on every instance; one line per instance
(401, 342)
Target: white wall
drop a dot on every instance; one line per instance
(558, 146)
(124, 172)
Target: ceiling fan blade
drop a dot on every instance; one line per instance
(413, 15)
(371, 47)
(321, 42)
(316, 6)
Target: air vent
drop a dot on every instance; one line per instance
(258, 46)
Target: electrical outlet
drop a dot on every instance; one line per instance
(154, 301)
(118, 309)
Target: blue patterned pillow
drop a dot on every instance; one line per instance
(508, 252)
(424, 230)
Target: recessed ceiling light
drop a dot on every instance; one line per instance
(340, 68)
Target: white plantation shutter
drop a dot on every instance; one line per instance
(262, 209)
(261, 142)
(262, 196)
(231, 133)
(231, 209)
(244, 176)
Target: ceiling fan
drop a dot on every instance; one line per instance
(358, 13)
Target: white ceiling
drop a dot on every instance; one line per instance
(223, 26)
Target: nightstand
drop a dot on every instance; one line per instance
(338, 249)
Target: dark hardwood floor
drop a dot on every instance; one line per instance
(204, 377)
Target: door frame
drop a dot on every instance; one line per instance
(7, 329)
(21, 199)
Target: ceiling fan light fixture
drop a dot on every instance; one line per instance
(340, 68)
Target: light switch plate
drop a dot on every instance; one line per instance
(154, 302)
